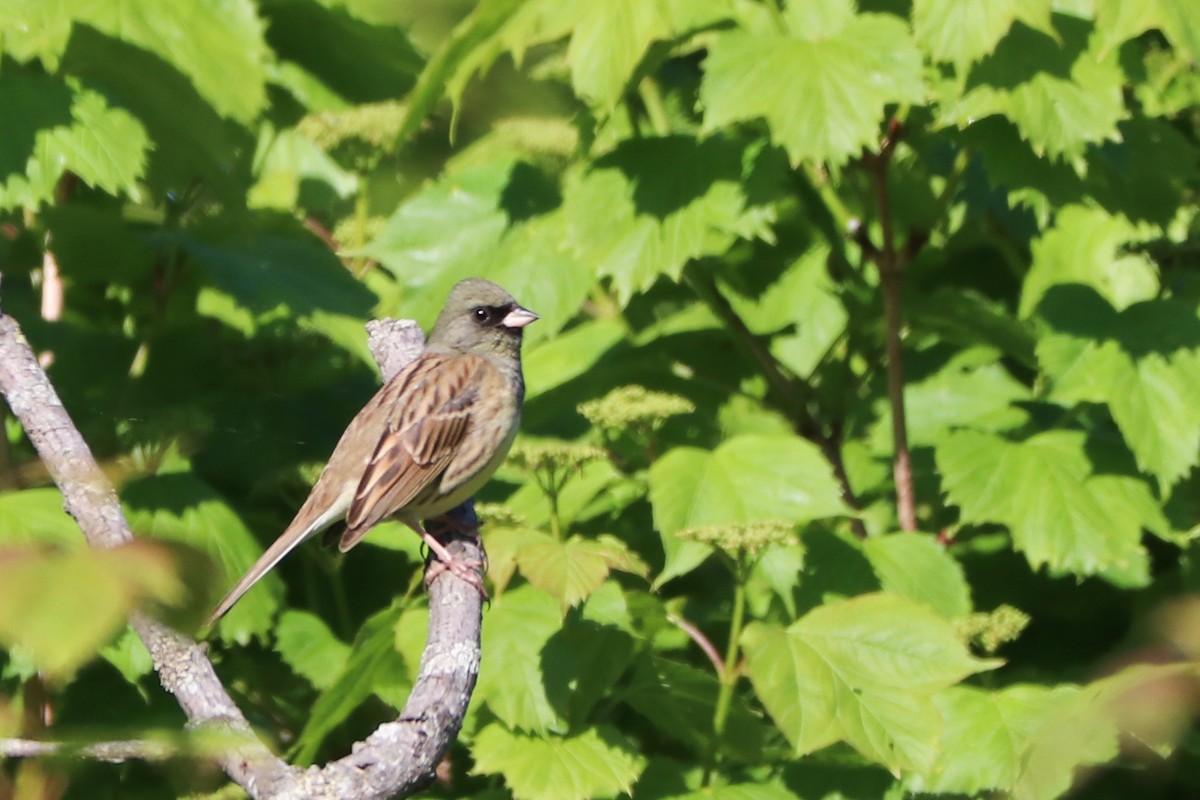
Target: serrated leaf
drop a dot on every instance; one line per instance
(1117, 22)
(306, 644)
(800, 85)
(666, 201)
(915, 566)
(987, 734)
(1084, 247)
(179, 507)
(1042, 489)
(609, 40)
(217, 45)
(61, 607)
(571, 569)
(51, 127)
(749, 478)
(1143, 362)
(515, 631)
(594, 762)
(961, 31)
(864, 671)
(1060, 94)
(189, 141)
(373, 663)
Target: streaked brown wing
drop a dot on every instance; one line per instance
(433, 408)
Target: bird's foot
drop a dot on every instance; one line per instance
(468, 570)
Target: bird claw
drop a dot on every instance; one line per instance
(467, 570)
(442, 560)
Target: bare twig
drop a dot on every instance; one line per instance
(115, 751)
(395, 760)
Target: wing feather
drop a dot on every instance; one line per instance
(432, 416)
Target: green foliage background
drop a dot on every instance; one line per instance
(701, 588)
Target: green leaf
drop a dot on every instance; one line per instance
(969, 318)
(188, 138)
(291, 170)
(564, 358)
(679, 700)
(747, 479)
(269, 274)
(864, 671)
(360, 61)
(96, 245)
(1061, 95)
(987, 734)
(915, 566)
(449, 231)
(129, 656)
(571, 569)
(179, 507)
(51, 127)
(306, 644)
(593, 762)
(1117, 22)
(804, 296)
(373, 664)
(666, 201)
(218, 45)
(1043, 489)
(515, 631)
(961, 31)
(61, 607)
(1084, 246)
(609, 40)
(36, 516)
(964, 393)
(741, 791)
(799, 83)
(1143, 362)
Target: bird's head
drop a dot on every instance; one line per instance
(482, 319)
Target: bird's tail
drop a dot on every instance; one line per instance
(302, 527)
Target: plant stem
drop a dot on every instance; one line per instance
(550, 488)
(891, 273)
(728, 675)
(702, 641)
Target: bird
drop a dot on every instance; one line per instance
(428, 440)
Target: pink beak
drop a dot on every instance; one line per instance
(519, 318)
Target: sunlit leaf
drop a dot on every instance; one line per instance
(596, 761)
(864, 671)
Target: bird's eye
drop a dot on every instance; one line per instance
(482, 314)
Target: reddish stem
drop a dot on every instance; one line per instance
(697, 636)
(891, 273)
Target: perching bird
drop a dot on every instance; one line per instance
(430, 437)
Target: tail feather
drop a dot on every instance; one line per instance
(302, 528)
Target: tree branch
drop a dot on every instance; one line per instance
(400, 756)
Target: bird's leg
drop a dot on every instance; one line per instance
(466, 569)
